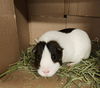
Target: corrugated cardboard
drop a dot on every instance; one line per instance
(53, 8)
(9, 46)
(91, 25)
(39, 25)
(22, 23)
(85, 7)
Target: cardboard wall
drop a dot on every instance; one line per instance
(90, 25)
(46, 7)
(9, 46)
(84, 14)
(45, 15)
(40, 25)
(83, 8)
(21, 11)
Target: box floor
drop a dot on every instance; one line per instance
(23, 79)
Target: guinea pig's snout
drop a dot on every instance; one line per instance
(46, 71)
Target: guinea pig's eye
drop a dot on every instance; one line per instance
(53, 56)
(37, 60)
(37, 56)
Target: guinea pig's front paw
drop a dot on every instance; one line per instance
(70, 64)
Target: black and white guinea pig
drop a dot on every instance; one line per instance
(56, 47)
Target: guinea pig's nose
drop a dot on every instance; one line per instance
(46, 71)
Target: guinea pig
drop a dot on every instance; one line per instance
(56, 47)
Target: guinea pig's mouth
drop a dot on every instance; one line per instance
(46, 74)
(50, 74)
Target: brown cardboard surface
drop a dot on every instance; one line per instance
(6, 7)
(46, 7)
(24, 79)
(39, 25)
(84, 7)
(9, 47)
(22, 23)
(91, 25)
(66, 7)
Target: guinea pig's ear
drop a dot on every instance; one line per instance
(40, 46)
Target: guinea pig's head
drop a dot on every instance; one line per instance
(48, 58)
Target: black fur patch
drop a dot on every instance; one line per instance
(38, 50)
(68, 30)
(56, 51)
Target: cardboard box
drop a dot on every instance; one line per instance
(22, 21)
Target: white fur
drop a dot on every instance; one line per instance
(76, 46)
(47, 64)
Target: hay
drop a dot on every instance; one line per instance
(24, 63)
(87, 72)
